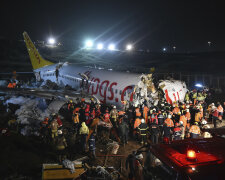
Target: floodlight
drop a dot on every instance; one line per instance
(111, 47)
(89, 43)
(100, 46)
(51, 41)
(164, 49)
(129, 47)
(198, 85)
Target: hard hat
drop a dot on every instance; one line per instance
(187, 101)
(142, 121)
(187, 110)
(162, 104)
(140, 156)
(59, 131)
(181, 122)
(204, 122)
(187, 106)
(169, 116)
(82, 99)
(71, 101)
(92, 99)
(179, 113)
(154, 109)
(114, 107)
(196, 123)
(213, 104)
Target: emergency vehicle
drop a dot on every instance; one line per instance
(187, 159)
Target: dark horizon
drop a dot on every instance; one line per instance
(147, 24)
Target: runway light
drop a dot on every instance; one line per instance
(51, 41)
(100, 46)
(129, 47)
(111, 47)
(198, 85)
(89, 44)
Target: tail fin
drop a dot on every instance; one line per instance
(36, 60)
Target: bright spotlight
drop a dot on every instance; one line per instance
(88, 43)
(198, 85)
(51, 41)
(164, 49)
(100, 46)
(111, 47)
(129, 47)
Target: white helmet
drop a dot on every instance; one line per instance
(169, 116)
(213, 104)
(204, 122)
(187, 110)
(181, 122)
(142, 121)
(59, 131)
(140, 156)
(162, 104)
(114, 107)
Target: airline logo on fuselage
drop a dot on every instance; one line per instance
(98, 87)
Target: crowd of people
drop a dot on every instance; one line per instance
(162, 123)
(144, 124)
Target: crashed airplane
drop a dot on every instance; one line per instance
(108, 86)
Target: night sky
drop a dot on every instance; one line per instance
(152, 24)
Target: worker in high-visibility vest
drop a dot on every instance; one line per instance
(194, 131)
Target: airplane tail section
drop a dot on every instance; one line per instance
(36, 59)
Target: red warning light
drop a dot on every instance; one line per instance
(191, 154)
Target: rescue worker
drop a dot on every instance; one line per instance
(138, 168)
(142, 128)
(70, 106)
(154, 132)
(198, 116)
(91, 142)
(84, 131)
(136, 125)
(194, 131)
(106, 116)
(92, 104)
(220, 111)
(161, 120)
(168, 125)
(87, 113)
(188, 117)
(58, 120)
(184, 123)
(145, 114)
(44, 128)
(177, 132)
(176, 109)
(187, 98)
(215, 115)
(194, 96)
(153, 117)
(61, 146)
(114, 115)
(123, 129)
(54, 128)
(75, 117)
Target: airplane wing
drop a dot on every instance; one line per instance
(48, 94)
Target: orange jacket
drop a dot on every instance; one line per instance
(145, 113)
(197, 116)
(138, 113)
(169, 122)
(176, 110)
(188, 115)
(194, 129)
(10, 85)
(137, 123)
(184, 120)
